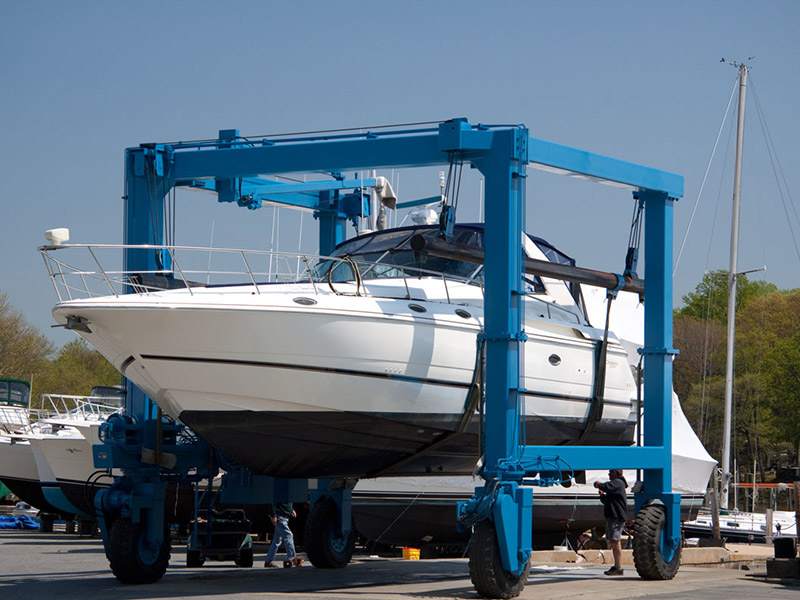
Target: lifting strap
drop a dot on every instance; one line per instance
(601, 355)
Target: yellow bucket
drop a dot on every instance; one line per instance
(411, 553)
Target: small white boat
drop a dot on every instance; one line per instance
(33, 451)
(364, 364)
(17, 464)
(62, 446)
(743, 527)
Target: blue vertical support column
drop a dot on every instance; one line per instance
(504, 174)
(332, 226)
(146, 185)
(658, 355)
(504, 169)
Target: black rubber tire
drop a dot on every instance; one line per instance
(194, 559)
(326, 549)
(130, 561)
(647, 557)
(486, 569)
(245, 558)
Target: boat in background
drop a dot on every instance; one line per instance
(25, 442)
(62, 447)
(17, 464)
(420, 511)
(742, 527)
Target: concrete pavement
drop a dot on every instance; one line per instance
(59, 566)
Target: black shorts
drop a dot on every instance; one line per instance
(614, 529)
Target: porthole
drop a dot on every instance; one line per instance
(305, 301)
(554, 359)
(463, 314)
(417, 308)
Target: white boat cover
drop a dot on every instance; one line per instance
(692, 465)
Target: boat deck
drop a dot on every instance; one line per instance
(38, 565)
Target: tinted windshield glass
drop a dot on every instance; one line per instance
(14, 392)
(553, 254)
(389, 254)
(109, 394)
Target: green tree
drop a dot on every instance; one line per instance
(766, 390)
(24, 351)
(702, 348)
(710, 298)
(76, 369)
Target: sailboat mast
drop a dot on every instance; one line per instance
(737, 180)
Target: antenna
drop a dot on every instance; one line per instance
(737, 64)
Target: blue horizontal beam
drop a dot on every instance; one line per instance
(267, 191)
(601, 168)
(598, 457)
(317, 186)
(414, 151)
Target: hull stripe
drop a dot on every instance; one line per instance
(354, 373)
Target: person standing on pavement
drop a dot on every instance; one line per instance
(615, 510)
(280, 513)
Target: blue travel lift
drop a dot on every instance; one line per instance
(154, 452)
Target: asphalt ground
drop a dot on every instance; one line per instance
(58, 566)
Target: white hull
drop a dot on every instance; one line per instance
(373, 372)
(16, 460)
(18, 470)
(65, 462)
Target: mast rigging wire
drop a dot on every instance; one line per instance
(705, 176)
(774, 160)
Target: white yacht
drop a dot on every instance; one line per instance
(47, 461)
(17, 463)
(366, 363)
(62, 446)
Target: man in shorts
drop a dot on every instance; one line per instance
(615, 510)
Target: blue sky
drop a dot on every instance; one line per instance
(641, 81)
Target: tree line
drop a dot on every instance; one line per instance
(27, 354)
(766, 386)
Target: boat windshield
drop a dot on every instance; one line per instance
(388, 254)
(111, 395)
(14, 393)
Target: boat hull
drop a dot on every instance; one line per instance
(325, 444)
(412, 518)
(351, 386)
(66, 469)
(19, 472)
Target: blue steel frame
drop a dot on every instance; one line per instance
(502, 154)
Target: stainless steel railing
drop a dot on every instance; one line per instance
(254, 269)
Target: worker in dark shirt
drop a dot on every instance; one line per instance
(280, 513)
(615, 510)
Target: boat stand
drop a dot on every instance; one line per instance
(500, 512)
